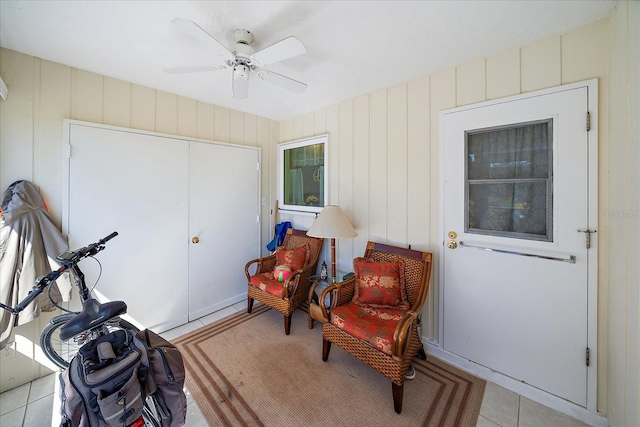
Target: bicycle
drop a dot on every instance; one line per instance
(63, 336)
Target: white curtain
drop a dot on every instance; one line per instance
(297, 186)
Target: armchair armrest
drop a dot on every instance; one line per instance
(341, 293)
(401, 335)
(291, 284)
(299, 276)
(265, 264)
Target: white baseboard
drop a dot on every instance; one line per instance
(594, 419)
(206, 311)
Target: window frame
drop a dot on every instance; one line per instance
(306, 142)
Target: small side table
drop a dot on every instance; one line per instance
(317, 286)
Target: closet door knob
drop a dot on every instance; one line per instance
(195, 240)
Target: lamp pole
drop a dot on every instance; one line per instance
(333, 259)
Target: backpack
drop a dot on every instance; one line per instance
(109, 379)
(165, 379)
(104, 383)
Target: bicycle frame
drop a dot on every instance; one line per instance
(83, 290)
(41, 284)
(69, 261)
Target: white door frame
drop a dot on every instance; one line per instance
(588, 415)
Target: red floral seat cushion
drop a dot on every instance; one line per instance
(380, 283)
(268, 283)
(295, 259)
(374, 325)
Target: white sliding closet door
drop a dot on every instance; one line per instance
(223, 220)
(134, 184)
(159, 192)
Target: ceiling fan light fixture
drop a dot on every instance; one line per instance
(240, 87)
(240, 72)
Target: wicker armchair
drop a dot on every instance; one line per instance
(288, 295)
(386, 345)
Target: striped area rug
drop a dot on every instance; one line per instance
(244, 371)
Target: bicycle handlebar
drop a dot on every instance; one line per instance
(67, 260)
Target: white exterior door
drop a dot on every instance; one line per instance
(518, 282)
(223, 220)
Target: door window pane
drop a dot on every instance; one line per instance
(509, 181)
(509, 207)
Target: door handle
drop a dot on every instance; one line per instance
(195, 240)
(571, 259)
(452, 244)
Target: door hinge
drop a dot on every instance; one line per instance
(588, 234)
(69, 151)
(258, 219)
(588, 361)
(258, 166)
(588, 121)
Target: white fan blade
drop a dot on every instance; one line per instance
(282, 81)
(195, 31)
(284, 49)
(240, 82)
(184, 70)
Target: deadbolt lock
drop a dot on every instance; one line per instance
(452, 244)
(453, 235)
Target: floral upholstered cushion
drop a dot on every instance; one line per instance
(380, 283)
(370, 324)
(294, 258)
(268, 283)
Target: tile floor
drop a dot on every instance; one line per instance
(31, 405)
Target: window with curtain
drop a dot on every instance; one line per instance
(509, 181)
(302, 174)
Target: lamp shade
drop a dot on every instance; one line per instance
(332, 223)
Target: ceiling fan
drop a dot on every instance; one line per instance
(242, 59)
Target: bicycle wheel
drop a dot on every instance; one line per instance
(61, 352)
(150, 415)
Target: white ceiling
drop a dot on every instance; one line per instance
(353, 47)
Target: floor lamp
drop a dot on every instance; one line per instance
(332, 223)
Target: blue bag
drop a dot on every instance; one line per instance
(280, 233)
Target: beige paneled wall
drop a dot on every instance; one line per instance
(621, 218)
(443, 96)
(43, 93)
(385, 146)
